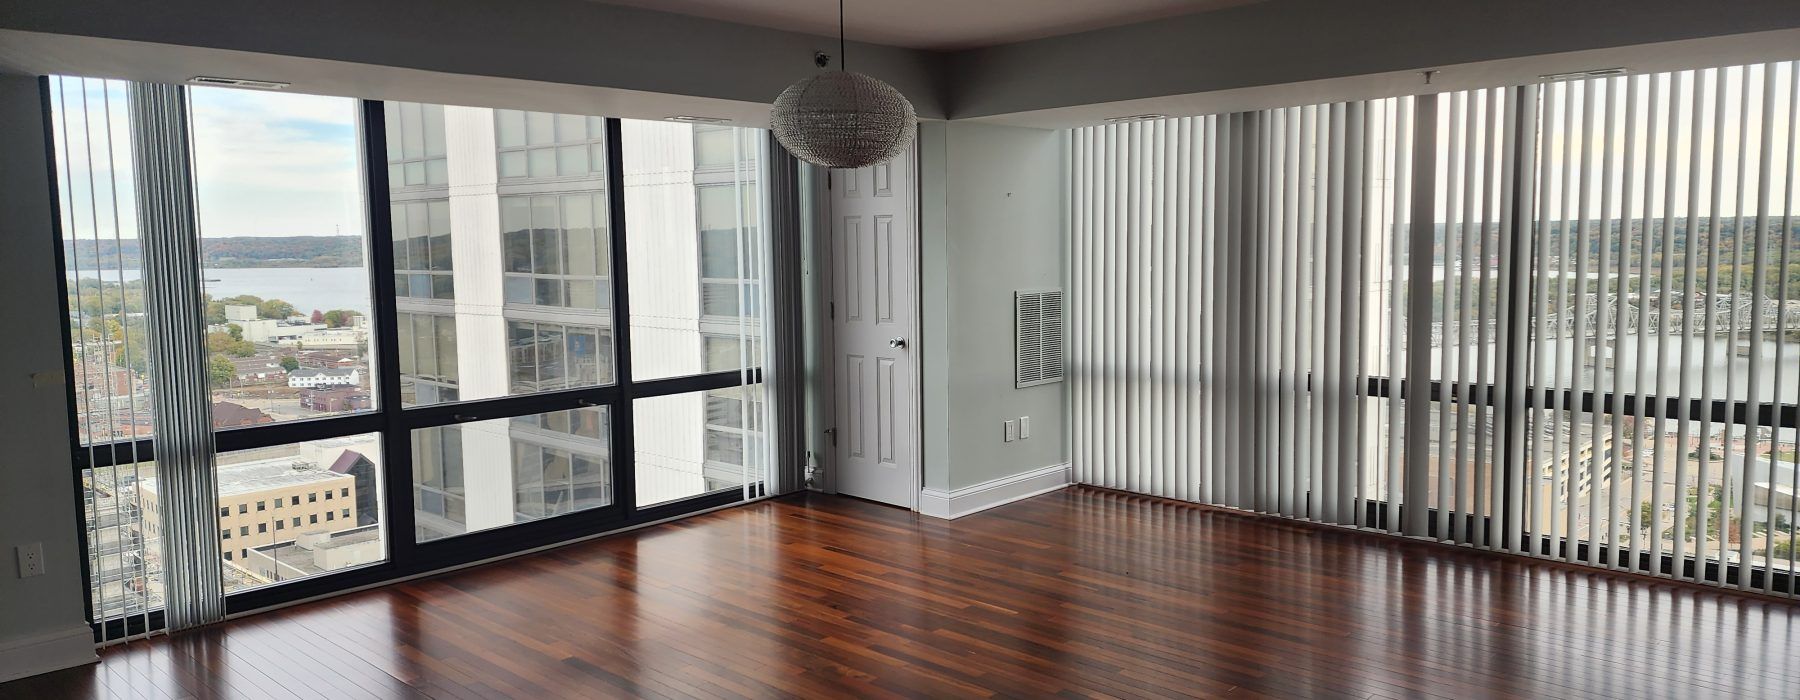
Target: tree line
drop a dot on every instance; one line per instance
(225, 252)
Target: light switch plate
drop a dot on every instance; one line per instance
(1024, 427)
(1010, 430)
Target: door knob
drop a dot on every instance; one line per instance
(897, 343)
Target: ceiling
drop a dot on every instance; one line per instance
(936, 24)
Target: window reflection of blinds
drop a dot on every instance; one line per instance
(1596, 279)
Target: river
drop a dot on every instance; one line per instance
(307, 288)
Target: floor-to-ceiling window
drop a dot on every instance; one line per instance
(423, 347)
(1552, 319)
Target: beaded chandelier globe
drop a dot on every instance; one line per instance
(841, 119)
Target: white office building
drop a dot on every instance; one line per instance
(503, 259)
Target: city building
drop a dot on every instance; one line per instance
(538, 181)
(314, 552)
(335, 400)
(227, 414)
(297, 333)
(318, 378)
(272, 500)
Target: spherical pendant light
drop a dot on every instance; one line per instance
(840, 119)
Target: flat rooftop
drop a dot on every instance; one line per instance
(266, 474)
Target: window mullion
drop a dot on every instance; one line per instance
(396, 438)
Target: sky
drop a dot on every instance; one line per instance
(265, 163)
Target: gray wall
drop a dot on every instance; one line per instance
(37, 493)
(558, 41)
(993, 208)
(1289, 41)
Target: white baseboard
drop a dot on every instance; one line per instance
(44, 653)
(988, 494)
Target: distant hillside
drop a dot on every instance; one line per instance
(238, 251)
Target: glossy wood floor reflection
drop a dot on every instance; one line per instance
(1079, 593)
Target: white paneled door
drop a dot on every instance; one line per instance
(874, 315)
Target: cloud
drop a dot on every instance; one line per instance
(276, 164)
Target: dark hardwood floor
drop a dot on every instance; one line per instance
(1079, 593)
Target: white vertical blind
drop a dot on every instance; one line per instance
(1593, 276)
(1210, 363)
(168, 234)
(1663, 233)
(106, 326)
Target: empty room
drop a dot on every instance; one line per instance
(465, 349)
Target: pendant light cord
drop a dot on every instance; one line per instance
(843, 56)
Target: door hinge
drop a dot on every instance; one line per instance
(831, 311)
(833, 433)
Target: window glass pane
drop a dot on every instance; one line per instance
(348, 533)
(542, 162)
(719, 299)
(434, 130)
(714, 147)
(407, 365)
(546, 236)
(437, 172)
(515, 230)
(282, 220)
(412, 128)
(439, 214)
(510, 124)
(572, 160)
(571, 127)
(584, 294)
(681, 453)
(522, 356)
(682, 294)
(719, 253)
(487, 474)
(540, 128)
(578, 236)
(512, 164)
(520, 290)
(446, 347)
(426, 352)
(515, 313)
(402, 250)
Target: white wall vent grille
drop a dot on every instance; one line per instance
(1037, 337)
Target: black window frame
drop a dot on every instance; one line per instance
(406, 557)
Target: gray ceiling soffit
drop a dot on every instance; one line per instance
(558, 41)
(583, 43)
(1291, 41)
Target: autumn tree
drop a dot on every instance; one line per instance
(275, 309)
(221, 371)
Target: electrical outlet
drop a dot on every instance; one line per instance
(31, 559)
(1024, 427)
(1010, 430)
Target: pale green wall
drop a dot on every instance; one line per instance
(37, 489)
(992, 221)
